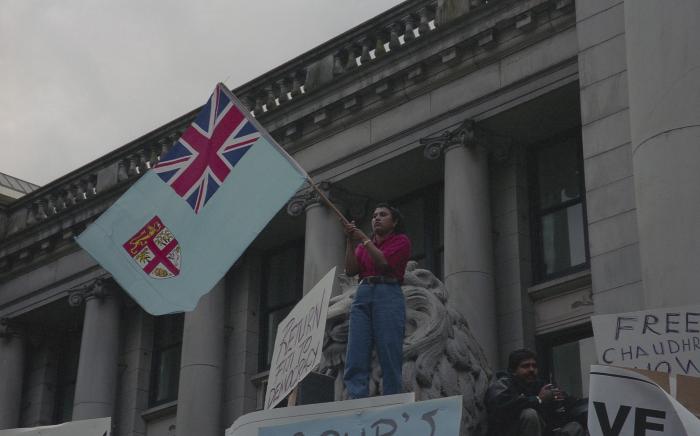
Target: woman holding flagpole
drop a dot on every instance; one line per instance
(378, 312)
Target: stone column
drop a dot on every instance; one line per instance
(468, 255)
(199, 398)
(663, 68)
(324, 245)
(12, 350)
(96, 383)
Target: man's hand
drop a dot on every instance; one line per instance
(547, 393)
(353, 233)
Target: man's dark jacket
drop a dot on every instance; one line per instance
(507, 397)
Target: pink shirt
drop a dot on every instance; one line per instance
(396, 250)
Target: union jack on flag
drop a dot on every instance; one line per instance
(204, 156)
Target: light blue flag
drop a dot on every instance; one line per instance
(439, 417)
(178, 229)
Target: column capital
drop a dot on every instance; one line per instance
(355, 204)
(468, 134)
(100, 288)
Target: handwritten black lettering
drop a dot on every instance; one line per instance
(688, 322)
(660, 350)
(621, 326)
(627, 352)
(686, 368)
(648, 323)
(660, 366)
(428, 417)
(670, 322)
(384, 421)
(605, 356)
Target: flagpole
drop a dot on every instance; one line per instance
(326, 200)
(283, 152)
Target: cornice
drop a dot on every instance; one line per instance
(331, 95)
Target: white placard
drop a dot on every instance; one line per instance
(88, 427)
(440, 416)
(664, 340)
(622, 402)
(299, 341)
(251, 423)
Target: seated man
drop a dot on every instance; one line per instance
(519, 404)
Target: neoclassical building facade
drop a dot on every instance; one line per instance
(544, 153)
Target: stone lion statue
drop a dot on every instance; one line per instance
(441, 357)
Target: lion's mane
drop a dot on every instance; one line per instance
(441, 357)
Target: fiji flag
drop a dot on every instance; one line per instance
(179, 228)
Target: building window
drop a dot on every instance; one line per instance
(282, 277)
(423, 215)
(566, 358)
(560, 243)
(165, 366)
(68, 356)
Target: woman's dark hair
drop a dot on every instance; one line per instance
(518, 356)
(395, 215)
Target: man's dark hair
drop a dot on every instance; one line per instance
(396, 216)
(517, 356)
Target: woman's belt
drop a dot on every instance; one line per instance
(375, 280)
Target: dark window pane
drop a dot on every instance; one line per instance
(273, 322)
(558, 174)
(283, 275)
(167, 347)
(414, 220)
(566, 362)
(168, 330)
(563, 240)
(68, 358)
(168, 375)
(282, 278)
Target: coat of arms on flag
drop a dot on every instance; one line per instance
(155, 249)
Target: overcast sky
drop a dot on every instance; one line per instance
(79, 78)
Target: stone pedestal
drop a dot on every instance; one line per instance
(663, 67)
(12, 350)
(96, 383)
(468, 259)
(199, 399)
(324, 245)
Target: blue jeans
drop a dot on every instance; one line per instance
(377, 317)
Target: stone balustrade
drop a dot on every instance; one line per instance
(333, 73)
(354, 49)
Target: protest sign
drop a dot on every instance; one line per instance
(299, 342)
(88, 427)
(624, 402)
(424, 418)
(250, 423)
(665, 340)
